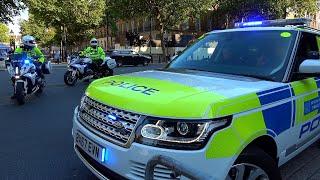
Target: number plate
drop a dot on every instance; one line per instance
(90, 147)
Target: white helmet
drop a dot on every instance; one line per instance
(28, 40)
(94, 42)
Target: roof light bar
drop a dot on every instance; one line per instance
(274, 23)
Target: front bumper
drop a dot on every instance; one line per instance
(131, 162)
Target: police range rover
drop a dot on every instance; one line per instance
(237, 104)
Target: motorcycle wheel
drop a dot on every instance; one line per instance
(69, 79)
(39, 91)
(20, 96)
(41, 87)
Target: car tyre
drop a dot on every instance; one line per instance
(253, 161)
(144, 63)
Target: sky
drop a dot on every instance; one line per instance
(15, 25)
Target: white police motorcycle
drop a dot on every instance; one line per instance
(24, 76)
(79, 69)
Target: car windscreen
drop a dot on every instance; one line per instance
(259, 54)
(124, 52)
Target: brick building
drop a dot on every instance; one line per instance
(145, 27)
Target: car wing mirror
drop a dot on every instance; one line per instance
(310, 66)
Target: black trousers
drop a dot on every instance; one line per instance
(39, 69)
(94, 66)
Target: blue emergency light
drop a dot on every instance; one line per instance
(275, 23)
(27, 61)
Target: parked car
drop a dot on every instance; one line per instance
(3, 55)
(130, 57)
(108, 52)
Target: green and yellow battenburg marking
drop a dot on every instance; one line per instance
(254, 114)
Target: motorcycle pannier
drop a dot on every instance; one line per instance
(111, 63)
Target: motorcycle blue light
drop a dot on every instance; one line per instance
(27, 61)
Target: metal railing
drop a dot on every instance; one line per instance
(177, 168)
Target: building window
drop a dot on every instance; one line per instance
(127, 27)
(209, 24)
(198, 24)
(132, 26)
(146, 24)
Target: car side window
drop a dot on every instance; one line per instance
(308, 43)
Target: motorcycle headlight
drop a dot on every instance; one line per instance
(179, 134)
(17, 71)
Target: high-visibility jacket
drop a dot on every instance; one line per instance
(34, 52)
(94, 53)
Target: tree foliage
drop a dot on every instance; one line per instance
(301, 7)
(171, 13)
(44, 35)
(4, 33)
(9, 8)
(76, 17)
(226, 12)
(168, 13)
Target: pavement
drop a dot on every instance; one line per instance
(2, 65)
(36, 141)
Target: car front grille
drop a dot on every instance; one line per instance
(160, 172)
(112, 124)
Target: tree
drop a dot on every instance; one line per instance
(172, 13)
(301, 8)
(9, 8)
(168, 13)
(4, 33)
(75, 18)
(226, 12)
(44, 35)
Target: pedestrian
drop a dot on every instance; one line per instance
(57, 57)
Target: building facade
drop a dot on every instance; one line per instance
(180, 36)
(147, 30)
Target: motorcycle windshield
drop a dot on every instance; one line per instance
(20, 56)
(19, 59)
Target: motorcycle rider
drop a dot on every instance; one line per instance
(96, 53)
(29, 46)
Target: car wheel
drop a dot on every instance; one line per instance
(144, 63)
(254, 163)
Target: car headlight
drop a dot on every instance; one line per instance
(179, 134)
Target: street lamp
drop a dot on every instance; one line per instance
(12, 40)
